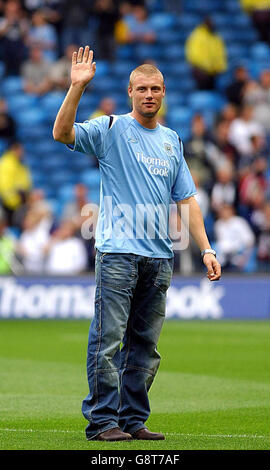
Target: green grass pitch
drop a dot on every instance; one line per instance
(212, 390)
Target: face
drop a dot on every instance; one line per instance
(147, 93)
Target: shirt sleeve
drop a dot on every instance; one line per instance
(89, 136)
(183, 186)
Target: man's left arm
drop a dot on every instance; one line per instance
(197, 230)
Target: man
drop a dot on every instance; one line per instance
(15, 180)
(206, 52)
(141, 164)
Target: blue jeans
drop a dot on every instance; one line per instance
(130, 306)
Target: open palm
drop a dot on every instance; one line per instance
(83, 68)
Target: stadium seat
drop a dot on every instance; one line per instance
(179, 69)
(179, 116)
(174, 98)
(3, 145)
(169, 36)
(122, 68)
(144, 52)
(233, 6)
(162, 21)
(236, 51)
(102, 69)
(260, 51)
(240, 20)
(18, 102)
(105, 85)
(91, 178)
(257, 67)
(183, 84)
(125, 52)
(31, 117)
(66, 193)
(202, 100)
(62, 177)
(12, 85)
(174, 53)
(188, 21)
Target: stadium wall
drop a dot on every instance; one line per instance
(239, 297)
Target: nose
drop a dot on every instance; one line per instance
(149, 95)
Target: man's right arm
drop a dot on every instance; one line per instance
(82, 72)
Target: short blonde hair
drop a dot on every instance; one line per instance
(145, 69)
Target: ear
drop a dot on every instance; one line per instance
(130, 91)
(164, 90)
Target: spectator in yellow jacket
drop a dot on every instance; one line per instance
(205, 51)
(259, 11)
(15, 180)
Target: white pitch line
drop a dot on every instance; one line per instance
(230, 436)
(244, 436)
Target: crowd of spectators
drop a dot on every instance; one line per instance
(229, 159)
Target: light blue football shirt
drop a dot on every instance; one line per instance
(142, 171)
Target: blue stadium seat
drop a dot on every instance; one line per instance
(179, 69)
(12, 85)
(21, 102)
(188, 20)
(173, 52)
(168, 36)
(179, 116)
(174, 99)
(123, 68)
(91, 178)
(51, 103)
(125, 52)
(260, 51)
(147, 51)
(61, 177)
(52, 164)
(184, 132)
(240, 20)
(81, 162)
(221, 20)
(106, 85)
(3, 145)
(162, 21)
(28, 133)
(203, 100)
(66, 193)
(31, 117)
(232, 6)
(203, 7)
(256, 68)
(183, 84)
(102, 69)
(155, 5)
(94, 196)
(38, 177)
(236, 51)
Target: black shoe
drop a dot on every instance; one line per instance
(114, 434)
(145, 434)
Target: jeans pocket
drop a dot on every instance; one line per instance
(164, 274)
(117, 270)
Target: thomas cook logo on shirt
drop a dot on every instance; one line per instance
(168, 149)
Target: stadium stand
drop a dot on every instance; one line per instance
(56, 170)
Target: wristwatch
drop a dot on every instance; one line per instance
(208, 250)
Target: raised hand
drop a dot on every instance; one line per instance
(83, 68)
